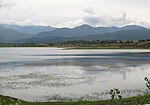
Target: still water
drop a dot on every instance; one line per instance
(54, 74)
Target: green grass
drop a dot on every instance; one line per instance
(127, 101)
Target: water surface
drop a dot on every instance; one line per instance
(54, 74)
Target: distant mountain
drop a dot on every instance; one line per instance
(29, 29)
(132, 27)
(77, 31)
(84, 30)
(7, 35)
(137, 34)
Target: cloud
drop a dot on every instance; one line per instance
(104, 20)
(71, 14)
(94, 20)
(89, 11)
(1, 4)
(107, 20)
(6, 3)
(26, 22)
(70, 22)
(124, 14)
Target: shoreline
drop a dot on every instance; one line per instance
(145, 99)
(87, 48)
(106, 48)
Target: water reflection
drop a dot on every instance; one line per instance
(72, 74)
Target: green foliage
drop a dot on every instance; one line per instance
(147, 82)
(9, 101)
(115, 94)
(83, 44)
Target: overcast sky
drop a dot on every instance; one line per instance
(71, 13)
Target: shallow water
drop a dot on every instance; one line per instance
(54, 74)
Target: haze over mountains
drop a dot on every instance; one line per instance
(45, 34)
(6, 35)
(29, 29)
(84, 30)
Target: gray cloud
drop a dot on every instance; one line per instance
(107, 20)
(40, 12)
(92, 20)
(6, 3)
(1, 4)
(90, 11)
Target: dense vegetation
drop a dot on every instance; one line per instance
(23, 45)
(140, 44)
(118, 44)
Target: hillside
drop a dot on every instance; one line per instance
(29, 29)
(7, 35)
(119, 35)
(137, 34)
(83, 32)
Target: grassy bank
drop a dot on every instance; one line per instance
(127, 101)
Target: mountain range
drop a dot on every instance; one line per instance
(45, 34)
(29, 29)
(84, 30)
(6, 35)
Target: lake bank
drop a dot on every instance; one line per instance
(5, 100)
(140, 44)
(103, 48)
